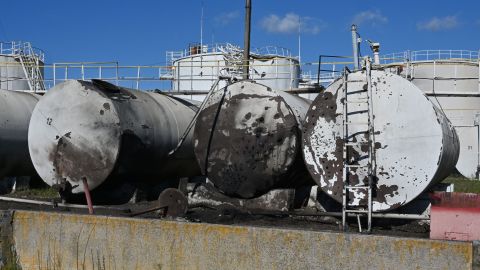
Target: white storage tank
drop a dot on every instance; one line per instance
(21, 66)
(415, 145)
(451, 79)
(197, 68)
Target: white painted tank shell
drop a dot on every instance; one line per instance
(416, 146)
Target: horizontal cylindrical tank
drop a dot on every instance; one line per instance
(98, 132)
(247, 139)
(15, 112)
(415, 144)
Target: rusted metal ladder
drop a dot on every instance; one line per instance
(347, 207)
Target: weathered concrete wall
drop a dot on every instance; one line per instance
(64, 241)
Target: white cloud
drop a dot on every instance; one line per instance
(438, 24)
(372, 17)
(227, 17)
(291, 23)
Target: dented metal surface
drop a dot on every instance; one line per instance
(416, 146)
(255, 142)
(101, 132)
(15, 112)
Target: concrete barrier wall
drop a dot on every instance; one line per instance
(64, 241)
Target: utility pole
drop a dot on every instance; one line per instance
(246, 39)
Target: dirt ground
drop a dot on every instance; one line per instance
(233, 216)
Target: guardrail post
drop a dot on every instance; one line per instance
(116, 73)
(54, 74)
(83, 72)
(138, 76)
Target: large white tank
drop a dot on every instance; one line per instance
(451, 79)
(415, 145)
(197, 69)
(13, 75)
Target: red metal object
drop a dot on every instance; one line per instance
(87, 196)
(455, 216)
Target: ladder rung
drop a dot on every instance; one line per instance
(356, 123)
(356, 211)
(358, 101)
(355, 143)
(353, 81)
(357, 187)
(355, 166)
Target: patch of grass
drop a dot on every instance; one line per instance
(37, 193)
(462, 184)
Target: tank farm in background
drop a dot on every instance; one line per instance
(226, 169)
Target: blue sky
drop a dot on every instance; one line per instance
(139, 32)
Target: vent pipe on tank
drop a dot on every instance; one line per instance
(246, 44)
(355, 43)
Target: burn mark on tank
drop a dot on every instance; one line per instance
(106, 106)
(76, 161)
(382, 191)
(101, 112)
(261, 146)
(325, 107)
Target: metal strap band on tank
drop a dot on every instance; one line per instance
(199, 109)
(213, 127)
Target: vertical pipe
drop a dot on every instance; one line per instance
(376, 57)
(246, 45)
(299, 41)
(87, 196)
(201, 31)
(355, 46)
(319, 70)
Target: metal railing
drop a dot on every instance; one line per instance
(15, 48)
(163, 77)
(272, 50)
(195, 49)
(430, 55)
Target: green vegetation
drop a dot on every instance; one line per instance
(463, 184)
(36, 193)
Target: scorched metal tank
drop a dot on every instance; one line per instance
(15, 112)
(415, 144)
(247, 139)
(102, 133)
